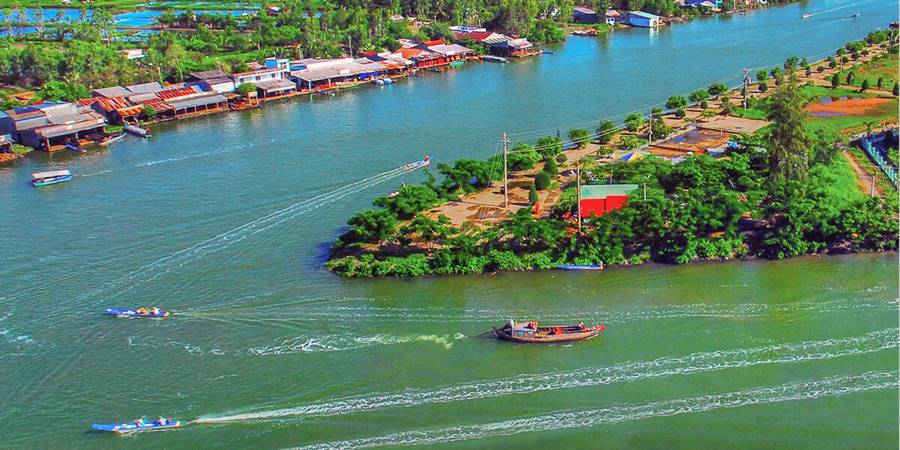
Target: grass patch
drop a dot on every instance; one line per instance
(749, 113)
(814, 93)
(888, 188)
(840, 181)
(872, 70)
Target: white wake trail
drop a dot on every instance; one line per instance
(803, 390)
(592, 376)
(154, 270)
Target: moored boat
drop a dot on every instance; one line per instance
(580, 267)
(50, 177)
(137, 131)
(493, 58)
(139, 312)
(530, 332)
(110, 139)
(164, 423)
(76, 148)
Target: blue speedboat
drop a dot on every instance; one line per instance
(137, 426)
(51, 177)
(139, 312)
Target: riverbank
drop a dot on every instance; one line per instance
(537, 230)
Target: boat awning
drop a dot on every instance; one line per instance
(50, 173)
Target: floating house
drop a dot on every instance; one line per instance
(581, 14)
(50, 126)
(332, 73)
(597, 200)
(117, 110)
(128, 91)
(516, 48)
(642, 19)
(274, 69)
(712, 4)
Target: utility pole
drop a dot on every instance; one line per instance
(505, 172)
(578, 191)
(746, 86)
(350, 45)
(650, 136)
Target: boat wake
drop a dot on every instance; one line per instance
(365, 312)
(158, 268)
(335, 343)
(838, 8)
(801, 390)
(591, 376)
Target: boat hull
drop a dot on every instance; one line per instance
(129, 313)
(505, 334)
(49, 182)
(130, 427)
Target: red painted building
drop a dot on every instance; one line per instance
(597, 200)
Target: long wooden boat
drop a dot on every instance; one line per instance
(531, 333)
(110, 139)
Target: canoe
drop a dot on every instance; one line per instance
(134, 427)
(127, 313)
(521, 332)
(76, 148)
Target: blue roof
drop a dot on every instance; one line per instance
(645, 15)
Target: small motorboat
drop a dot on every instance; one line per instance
(138, 312)
(854, 15)
(530, 332)
(493, 58)
(806, 16)
(383, 81)
(580, 267)
(110, 139)
(50, 177)
(137, 426)
(416, 165)
(137, 131)
(76, 148)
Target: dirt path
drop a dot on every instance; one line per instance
(864, 180)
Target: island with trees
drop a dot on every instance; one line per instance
(786, 190)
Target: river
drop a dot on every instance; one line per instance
(227, 219)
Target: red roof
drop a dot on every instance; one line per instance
(436, 42)
(87, 101)
(113, 103)
(156, 103)
(476, 36)
(169, 94)
(409, 53)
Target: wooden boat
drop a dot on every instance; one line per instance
(76, 148)
(110, 139)
(50, 177)
(531, 333)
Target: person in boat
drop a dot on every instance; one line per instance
(155, 311)
(162, 420)
(139, 422)
(581, 326)
(142, 310)
(532, 324)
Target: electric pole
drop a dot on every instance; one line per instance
(650, 135)
(578, 191)
(746, 86)
(505, 172)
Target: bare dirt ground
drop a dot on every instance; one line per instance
(848, 107)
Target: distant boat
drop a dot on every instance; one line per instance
(139, 312)
(547, 52)
(854, 15)
(383, 81)
(493, 58)
(50, 177)
(111, 139)
(416, 165)
(806, 16)
(531, 333)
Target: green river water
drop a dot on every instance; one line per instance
(227, 220)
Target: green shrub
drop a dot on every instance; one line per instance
(542, 180)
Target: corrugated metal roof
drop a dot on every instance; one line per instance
(169, 94)
(210, 74)
(605, 190)
(69, 128)
(276, 85)
(450, 49)
(197, 101)
(643, 14)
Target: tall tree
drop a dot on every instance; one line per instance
(789, 142)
